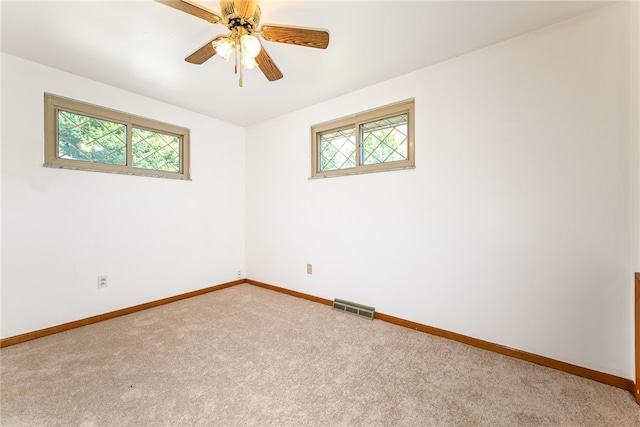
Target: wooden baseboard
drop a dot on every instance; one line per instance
(99, 318)
(290, 292)
(580, 371)
(636, 388)
(601, 377)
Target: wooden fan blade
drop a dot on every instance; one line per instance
(308, 37)
(267, 66)
(193, 9)
(203, 53)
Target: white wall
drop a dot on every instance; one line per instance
(515, 226)
(153, 237)
(635, 131)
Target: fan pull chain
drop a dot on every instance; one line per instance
(235, 68)
(238, 60)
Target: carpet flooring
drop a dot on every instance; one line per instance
(247, 356)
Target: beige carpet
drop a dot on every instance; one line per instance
(246, 356)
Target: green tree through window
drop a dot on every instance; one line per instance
(84, 136)
(153, 150)
(375, 140)
(90, 139)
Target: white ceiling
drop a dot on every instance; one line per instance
(140, 45)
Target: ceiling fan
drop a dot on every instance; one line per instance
(242, 18)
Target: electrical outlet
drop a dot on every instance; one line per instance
(102, 281)
(239, 274)
(309, 269)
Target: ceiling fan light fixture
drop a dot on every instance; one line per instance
(224, 47)
(249, 63)
(250, 46)
(249, 49)
(242, 18)
(246, 47)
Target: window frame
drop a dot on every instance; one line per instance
(355, 120)
(54, 103)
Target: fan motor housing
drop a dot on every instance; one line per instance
(240, 13)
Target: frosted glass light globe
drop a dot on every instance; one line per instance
(250, 46)
(224, 48)
(249, 63)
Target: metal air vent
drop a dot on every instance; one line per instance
(355, 309)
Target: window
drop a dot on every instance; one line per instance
(376, 140)
(84, 136)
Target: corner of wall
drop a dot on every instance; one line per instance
(635, 130)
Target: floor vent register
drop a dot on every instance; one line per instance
(355, 309)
